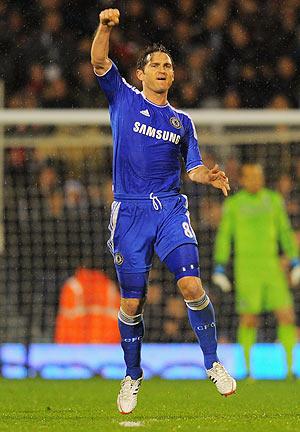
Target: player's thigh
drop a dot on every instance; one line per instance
(133, 286)
(278, 295)
(249, 291)
(132, 238)
(183, 261)
(175, 230)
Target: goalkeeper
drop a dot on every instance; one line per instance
(255, 220)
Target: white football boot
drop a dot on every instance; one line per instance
(127, 398)
(226, 385)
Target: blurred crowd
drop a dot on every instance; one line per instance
(228, 53)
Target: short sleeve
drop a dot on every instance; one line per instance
(111, 83)
(189, 147)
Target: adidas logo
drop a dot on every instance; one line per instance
(145, 113)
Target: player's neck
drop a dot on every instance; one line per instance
(156, 98)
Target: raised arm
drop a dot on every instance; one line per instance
(100, 47)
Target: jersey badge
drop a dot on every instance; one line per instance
(119, 259)
(175, 122)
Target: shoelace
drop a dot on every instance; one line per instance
(222, 373)
(157, 205)
(129, 388)
(126, 388)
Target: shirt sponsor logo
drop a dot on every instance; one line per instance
(159, 134)
(175, 122)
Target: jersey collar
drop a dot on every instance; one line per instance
(158, 106)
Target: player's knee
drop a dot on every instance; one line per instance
(191, 287)
(285, 316)
(132, 306)
(249, 320)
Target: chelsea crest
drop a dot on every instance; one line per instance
(175, 122)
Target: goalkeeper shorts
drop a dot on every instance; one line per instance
(261, 287)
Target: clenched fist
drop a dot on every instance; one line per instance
(109, 17)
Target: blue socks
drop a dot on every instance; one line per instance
(132, 332)
(202, 319)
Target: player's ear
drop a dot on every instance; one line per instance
(140, 74)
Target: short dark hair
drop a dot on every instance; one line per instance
(143, 58)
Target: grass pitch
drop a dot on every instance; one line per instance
(90, 405)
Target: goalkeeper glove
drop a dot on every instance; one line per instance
(219, 278)
(295, 272)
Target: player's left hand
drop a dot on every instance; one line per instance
(295, 273)
(218, 179)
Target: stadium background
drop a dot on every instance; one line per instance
(228, 54)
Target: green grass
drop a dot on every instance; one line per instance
(37, 405)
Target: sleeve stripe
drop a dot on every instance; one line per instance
(196, 166)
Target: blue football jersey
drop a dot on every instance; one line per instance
(149, 141)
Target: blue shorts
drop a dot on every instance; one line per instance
(140, 227)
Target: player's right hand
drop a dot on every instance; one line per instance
(109, 17)
(220, 279)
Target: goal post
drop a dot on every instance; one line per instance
(241, 117)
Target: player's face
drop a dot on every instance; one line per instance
(252, 178)
(158, 73)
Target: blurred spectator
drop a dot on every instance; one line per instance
(36, 80)
(75, 195)
(232, 99)
(213, 34)
(17, 168)
(162, 22)
(56, 50)
(248, 85)
(48, 180)
(279, 101)
(135, 17)
(50, 5)
(286, 79)
(86, 91)
(88, 309)
(189, 10)
(189, 95)
(286, 187)
(57, 95)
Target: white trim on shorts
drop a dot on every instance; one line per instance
(115, 207)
